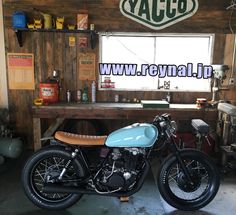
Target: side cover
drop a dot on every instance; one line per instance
(136, 135)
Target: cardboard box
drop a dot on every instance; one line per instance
(82, 21)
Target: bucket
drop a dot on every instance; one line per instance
(49, 92)
(19, 19)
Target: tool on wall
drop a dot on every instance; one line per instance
(219, 74)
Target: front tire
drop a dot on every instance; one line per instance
(48, 162)
(178, 191)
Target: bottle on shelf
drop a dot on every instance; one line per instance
(68, 96)
(79, 95)
(93, 92)
(85, 94)
(168, 97)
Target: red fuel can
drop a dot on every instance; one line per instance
(49, 92)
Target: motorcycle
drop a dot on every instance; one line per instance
(57, 176)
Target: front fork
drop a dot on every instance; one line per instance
(176, 152)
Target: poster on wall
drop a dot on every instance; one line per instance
(87, 66)
(20, 71)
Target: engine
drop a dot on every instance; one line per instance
(121, 169)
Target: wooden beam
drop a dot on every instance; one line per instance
(3, 78)
(52, 128)
(37, 133)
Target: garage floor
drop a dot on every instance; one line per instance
(146, 202)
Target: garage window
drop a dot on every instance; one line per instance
(155, 62)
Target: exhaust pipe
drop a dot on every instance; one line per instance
(52, 188)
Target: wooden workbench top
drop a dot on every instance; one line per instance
(109, 105)
(117, 111)
(112, 111)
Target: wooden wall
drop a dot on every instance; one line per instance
(211, 17)
(52, 50)
(228, 92)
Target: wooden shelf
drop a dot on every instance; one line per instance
(92, 33)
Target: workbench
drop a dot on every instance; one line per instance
(124, 111)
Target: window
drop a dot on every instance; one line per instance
(155, 62)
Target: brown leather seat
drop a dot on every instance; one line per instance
(83, 140)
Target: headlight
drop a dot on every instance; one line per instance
(173, 126)
(162, 124)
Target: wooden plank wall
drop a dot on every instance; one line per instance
(52, 51)
(228, 91)
(211, 17)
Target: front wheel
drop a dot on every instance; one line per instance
(182, 193)
(42, 167)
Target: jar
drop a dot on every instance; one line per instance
(117, 98)
(78, 95)
(107, 81)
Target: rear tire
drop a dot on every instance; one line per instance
(176, 189)
(48, 162)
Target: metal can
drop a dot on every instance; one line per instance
(68, 96)
(55, 73)
(92, 26)
(107, 81)
(117, 98)
(79, 95)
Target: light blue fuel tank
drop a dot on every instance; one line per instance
(136, 135)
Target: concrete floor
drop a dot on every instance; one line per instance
(146, 202)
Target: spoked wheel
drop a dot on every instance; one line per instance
(185, 194)
(47, 171)
(45, 167)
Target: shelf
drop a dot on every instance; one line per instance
(92, 33)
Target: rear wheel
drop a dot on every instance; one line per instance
(44, 167)
(182, 193)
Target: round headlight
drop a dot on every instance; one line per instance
(173, 126)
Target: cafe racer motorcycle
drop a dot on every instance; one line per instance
(56, 176)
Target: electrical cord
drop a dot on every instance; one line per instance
(233, 4)
(232, 7)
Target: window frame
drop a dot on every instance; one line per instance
(145, 34)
